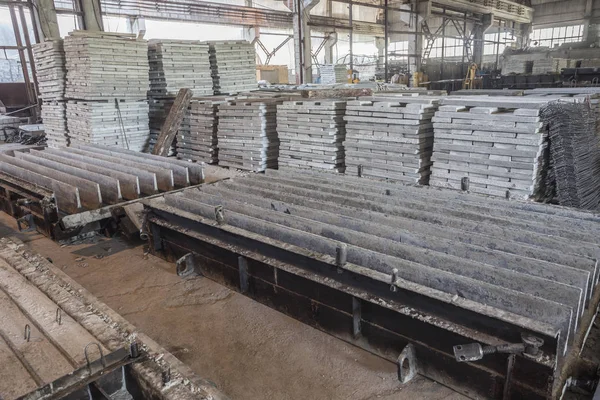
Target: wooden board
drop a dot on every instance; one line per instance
(173, 122)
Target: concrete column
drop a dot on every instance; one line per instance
(591, 32)
(92, 15)
(523, 35)
(479, 31)
(44, 13)
(328, 48)
(302, 40)
(380, 44)
(251, 33)
(137, 26)
(415, 41)
(332, 41)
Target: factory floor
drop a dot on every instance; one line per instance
(248, 350)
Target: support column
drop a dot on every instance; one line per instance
(302, 41)
(44, 14)
(523, 35)
(479, 31)
(380, 44)
(92, 15)
(332, 40)
(591, 32)
(415, 41)
(251, 33)
(137, 26)
(328, 49)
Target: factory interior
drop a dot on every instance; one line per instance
(299, 199)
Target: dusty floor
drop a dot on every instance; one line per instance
(248, 350)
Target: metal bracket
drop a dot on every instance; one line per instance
(356, 317)
(407, 364)
(219, 215)
(28, 221)
(394, 278)
(186, 266)
(464, 183)
(341, 256)
(166, 376)
(87, 357)
(243, 269)
(144, 229)
(529, 348)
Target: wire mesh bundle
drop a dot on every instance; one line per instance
(573, 174)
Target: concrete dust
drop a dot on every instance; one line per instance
(248, 350)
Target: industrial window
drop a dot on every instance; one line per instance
(551, 37)
(398, 48)
(452, 48)
(495, 43)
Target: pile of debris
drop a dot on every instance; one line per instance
(51, 73)
(311, 134)
(107, 85)
(197, 139)
(390, 139)
(233, 65)
(247, 134)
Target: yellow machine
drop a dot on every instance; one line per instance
(353, 76)
(418, 78)
(471, 80)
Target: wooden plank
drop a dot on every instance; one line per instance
(172, 123)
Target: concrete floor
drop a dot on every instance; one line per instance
(248, 350)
